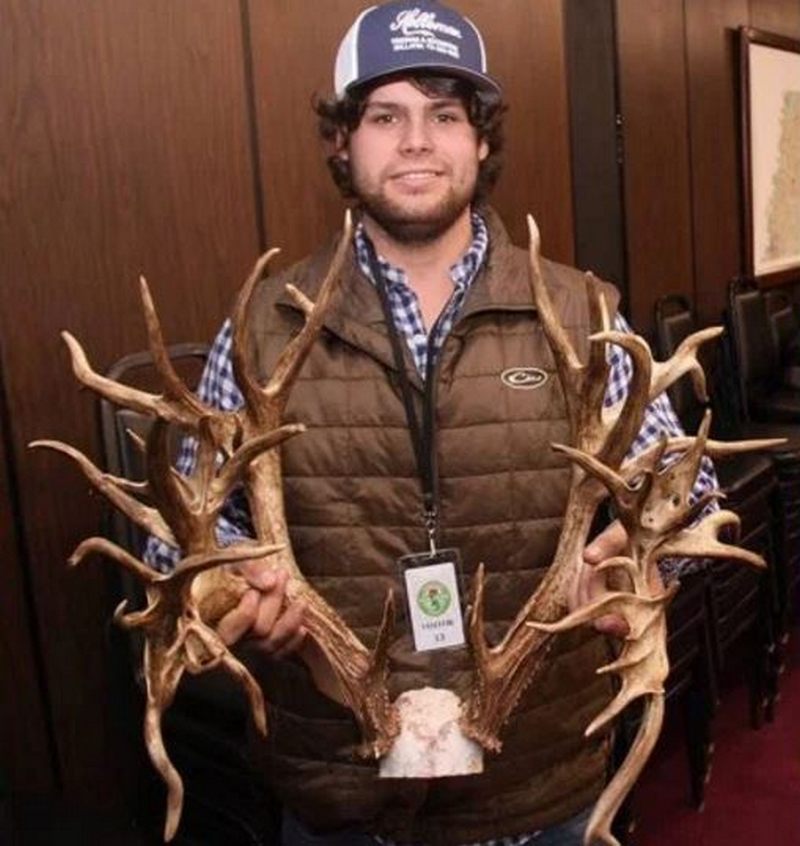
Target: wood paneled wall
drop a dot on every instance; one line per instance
(124, 148)
(174, 139)
(657, 194)
(679, 101)
(26, 756)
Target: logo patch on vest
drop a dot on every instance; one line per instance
(524, 378)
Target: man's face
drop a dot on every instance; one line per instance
(414, 161)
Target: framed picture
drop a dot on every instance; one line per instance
(770, 87)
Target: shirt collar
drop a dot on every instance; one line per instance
(462, 273)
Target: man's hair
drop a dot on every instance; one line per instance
(485, 110)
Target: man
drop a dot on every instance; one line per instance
(415, 129)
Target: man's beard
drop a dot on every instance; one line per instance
(407, 226)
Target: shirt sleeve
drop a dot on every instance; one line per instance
(659, 419)
(218, 389)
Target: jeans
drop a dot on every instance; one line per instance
(294, 833)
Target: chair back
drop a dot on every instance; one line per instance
(754, 347)
(783, 321)
(675, 321)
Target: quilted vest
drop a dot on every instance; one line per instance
(353, 504)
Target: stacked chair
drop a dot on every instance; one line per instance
(742, 603)
(763, 332)
(205, 729)
(736, 604)
(785, 327)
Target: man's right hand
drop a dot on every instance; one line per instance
(276, 627)
(263, 615)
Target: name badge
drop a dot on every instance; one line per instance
(434, 599)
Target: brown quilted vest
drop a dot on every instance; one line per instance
(353, 505)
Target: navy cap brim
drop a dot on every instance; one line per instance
(481, 81)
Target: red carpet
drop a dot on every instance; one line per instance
(753, 796)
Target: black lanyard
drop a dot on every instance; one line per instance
(423, 435)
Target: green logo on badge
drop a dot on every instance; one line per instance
(433, 598)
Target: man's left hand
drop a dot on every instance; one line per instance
(591, 584)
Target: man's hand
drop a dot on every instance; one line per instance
(262, 614)
(591, 585)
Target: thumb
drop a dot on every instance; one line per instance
(610, 542)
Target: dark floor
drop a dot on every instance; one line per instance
(753, 792)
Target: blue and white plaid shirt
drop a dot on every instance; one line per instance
(218, 387)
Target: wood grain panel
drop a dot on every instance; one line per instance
(590, 39)
(779, 16)
(26, 759)
(650, 37)
(293, 64)
(293, 61)
(525, 45)
(711, 51)
(124, 147)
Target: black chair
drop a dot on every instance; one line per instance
(741, 603)
(767, 404)
(756, 339)
(785, 325)
(205, 729)
(692, 679)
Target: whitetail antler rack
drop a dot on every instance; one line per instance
(654, 506)
(184, 607)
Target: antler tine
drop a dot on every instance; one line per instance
(684, 360)
(583, 385)
(184, 411)
(114, 490)
(231, 472)
(192, 527)
(246, 377)
(702, 541)
(115, 392)
(630, 414)
(599, 825)
(718, 450)
(567, 361)
(611, 480)
(107, 548)
(174, 386)
(599, 322)
(295, 353)
(154, 740)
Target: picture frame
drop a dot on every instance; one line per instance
(770, 142)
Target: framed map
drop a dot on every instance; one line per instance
(770, 84)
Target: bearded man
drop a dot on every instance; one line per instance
(418, 437)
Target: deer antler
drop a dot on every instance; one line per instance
(184, 606)
(176, 637)
(503, 672)
(659, 519)
(653, 505)
(361, 675)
